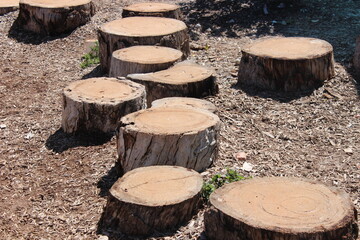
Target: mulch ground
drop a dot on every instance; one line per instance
(54, 186)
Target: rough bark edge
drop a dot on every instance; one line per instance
(108, 43)
(141, 220)
(357, 56)
(5, 10)
(264, 72)
(32, 18)
(176, 14)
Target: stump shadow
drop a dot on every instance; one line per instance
(96, 72)
(61, 141)
(106, 182)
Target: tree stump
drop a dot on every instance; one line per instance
(7, 6)
(49, 17)
(142, 59)
(280, 209)
(286, 64)
(184, 101)
(357, 56)
(152, 199)
(185, 79)
(132, 31)
(97, 104)
(177, 136)
(153, 9)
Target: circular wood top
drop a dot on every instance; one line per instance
(143, 26)
(55, 3)
(167, 121)
(292, 48)
(151, 7)
(148, 54)
(184, 101)
(106, 90)
(9, 3)
(283, 204)
(157, 185)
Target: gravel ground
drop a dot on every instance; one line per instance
(54, 186)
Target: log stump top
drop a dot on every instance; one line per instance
(143, 26)
(289, 48)
(148, 54)
(55, 3)
(181, 73)
(105, 90)
(170, 120)
(157, 185)
(184, 101)
(151, 7)
(284, 204)
(9, 3)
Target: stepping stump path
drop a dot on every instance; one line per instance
(153, 9)
(132, 31)
(185, 102)
(7, 6)
(142, 59)
(185, 79)
(280, 209)
(50, 17)
(286, 64)
(152, 199)
(357, 56)
(178, 136)
(97, 104)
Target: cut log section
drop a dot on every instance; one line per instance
(133, 31)
(152, 199)
(7, 6)
(280, 209)
(286, 64)
(49, 17)
(184, 102)
(97, 104)
(177, 136)
(185, 79)
(142, 59)
(152, 9)
(357, 56)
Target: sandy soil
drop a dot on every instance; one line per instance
(54, 186)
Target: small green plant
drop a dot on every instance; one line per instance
(91, 58)
(218, 180)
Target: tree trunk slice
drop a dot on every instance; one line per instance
(185, 79)
(185, 102)
(142, 59)
(286, 64)
(133, 31)
(7, 6)
(177, 136)
(280, 209)
(357, 56)
(49, 17)
(152, 199)
(97, 104)
(153, 9)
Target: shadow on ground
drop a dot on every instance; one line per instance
(96, 72)
(61, 141)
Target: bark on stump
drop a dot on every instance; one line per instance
(184, 102)
(133, 31)
(357, 56)
(178, 136)
(142, 59)
(152, 199)
(185, 79)
(286, 64)
(153, 9)
(7, 6)
(97, 104)
(49, 17)
(280, 209)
